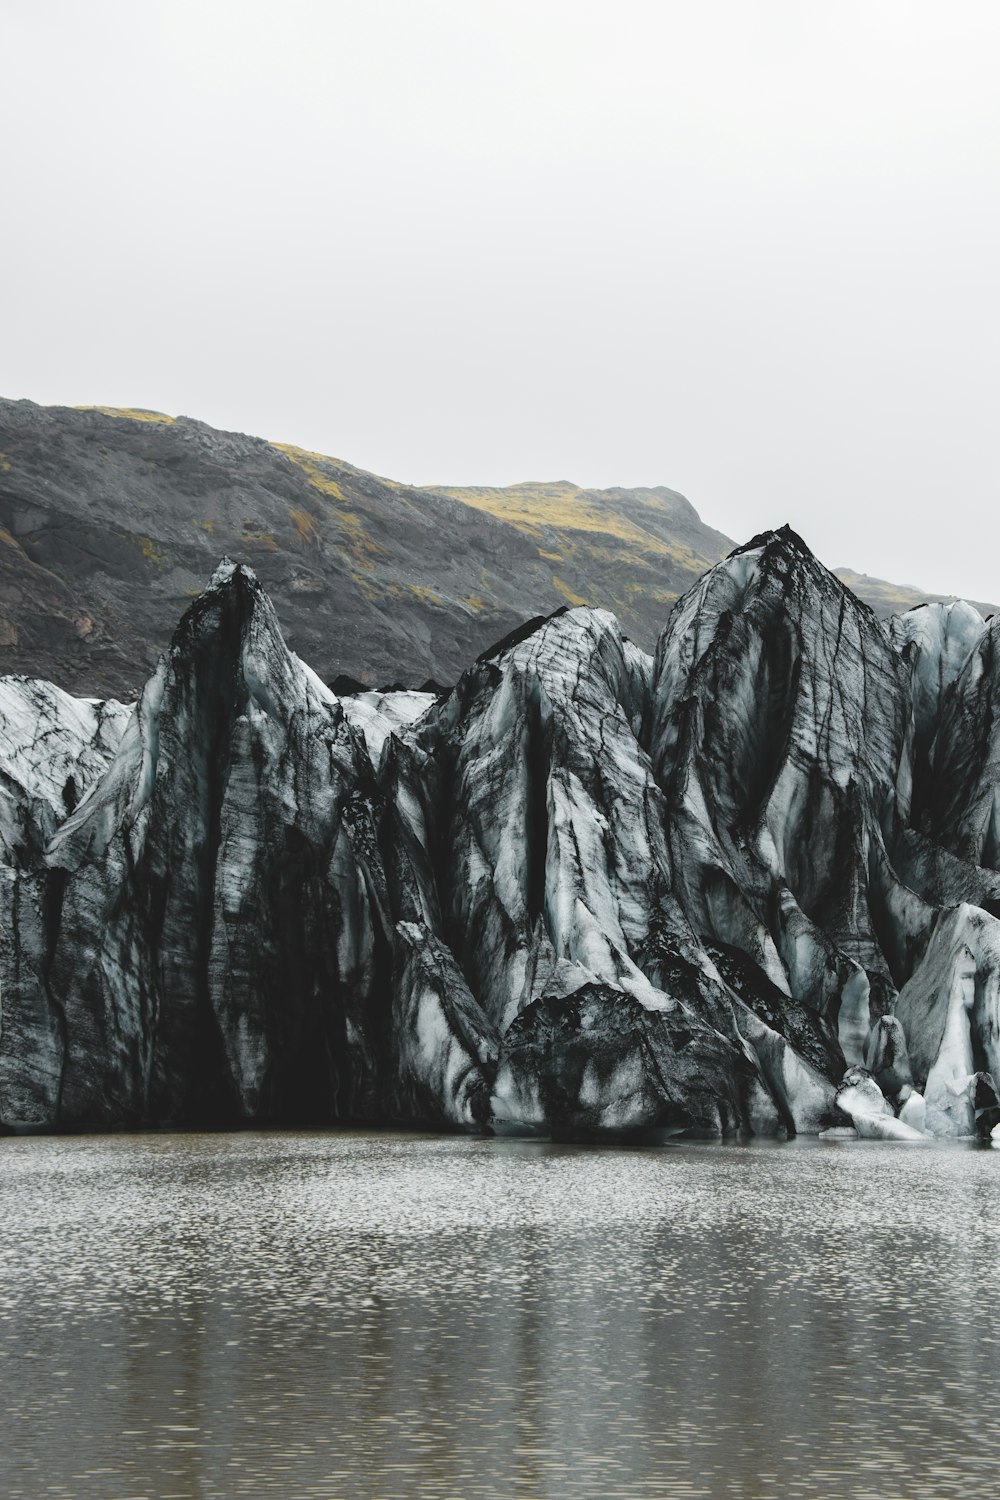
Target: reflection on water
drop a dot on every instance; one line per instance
(340, 1316)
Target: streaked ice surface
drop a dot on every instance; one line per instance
(340, 1316)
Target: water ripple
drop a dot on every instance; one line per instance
(334, 1317)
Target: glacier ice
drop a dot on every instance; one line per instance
(750, 884)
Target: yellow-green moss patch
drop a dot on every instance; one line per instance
(131, 414)
(304, 524)
(567, 592)
(152, 551)
(310, 465)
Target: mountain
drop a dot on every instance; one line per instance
(111, 520)
(750, 883)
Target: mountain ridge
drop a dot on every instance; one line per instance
(111, 519)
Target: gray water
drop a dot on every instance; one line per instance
(339, 1316)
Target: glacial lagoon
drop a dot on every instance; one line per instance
(371, 1316)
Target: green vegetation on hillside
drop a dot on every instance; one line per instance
(130, 413)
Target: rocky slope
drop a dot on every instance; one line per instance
(749, 883)
(111, 520)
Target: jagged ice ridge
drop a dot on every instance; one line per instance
(750, 884)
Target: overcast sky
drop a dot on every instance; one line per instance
(747, 250)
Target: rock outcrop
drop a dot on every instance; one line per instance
(749, 884)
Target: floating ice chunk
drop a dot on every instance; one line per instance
(914, 1112)
(860, 1097)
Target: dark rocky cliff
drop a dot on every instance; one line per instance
(110, 522)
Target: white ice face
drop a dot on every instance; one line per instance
(377, 715)
(53, 747)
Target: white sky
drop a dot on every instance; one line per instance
(748, 250)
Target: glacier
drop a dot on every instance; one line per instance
(750, 884)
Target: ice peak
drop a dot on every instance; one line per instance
(232, 607)
(782, 538)
(519, 634)
(228, 572)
